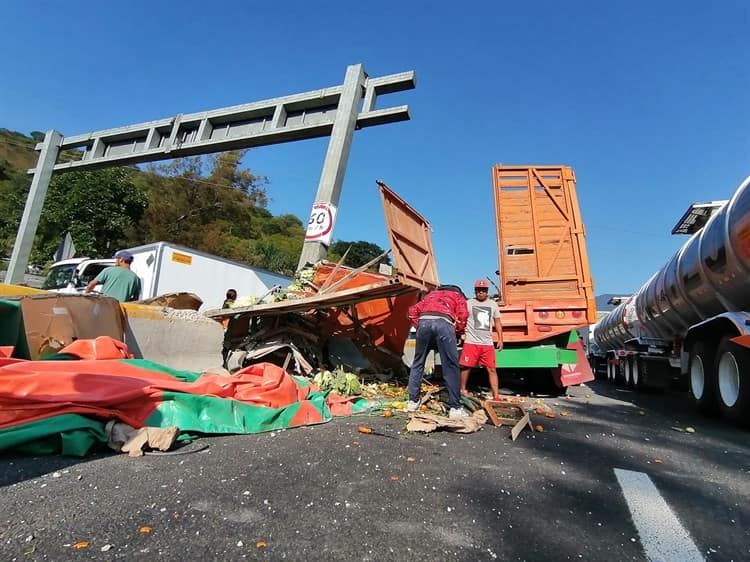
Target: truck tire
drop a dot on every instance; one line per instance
(629, 371)
(732, 382)
(610, 372)
(620, 371)
(702, 372)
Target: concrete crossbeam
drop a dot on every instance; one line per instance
(273, 121)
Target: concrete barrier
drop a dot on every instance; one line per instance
(180, 339)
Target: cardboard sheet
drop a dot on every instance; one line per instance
(52, 321)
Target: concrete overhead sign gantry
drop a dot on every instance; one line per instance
(336, 112)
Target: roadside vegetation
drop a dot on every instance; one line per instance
(210, 203)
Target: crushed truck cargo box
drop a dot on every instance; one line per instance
(368, 308)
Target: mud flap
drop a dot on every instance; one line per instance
(580, 372)
(656, 373)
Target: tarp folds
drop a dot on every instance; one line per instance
(48, 406)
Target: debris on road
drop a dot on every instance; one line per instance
(123, 438)
(683, 429)
(423, 422)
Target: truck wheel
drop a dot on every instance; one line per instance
(610, 372)
(702, 371)
(620, 371)
(636, 377)
(599, 366)
(627, 371)
(733, 386)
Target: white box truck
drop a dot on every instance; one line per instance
(164, 267)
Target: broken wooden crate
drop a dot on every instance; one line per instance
(504, 413)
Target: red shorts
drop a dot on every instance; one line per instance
(482, 355)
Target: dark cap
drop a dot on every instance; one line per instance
(125, 256)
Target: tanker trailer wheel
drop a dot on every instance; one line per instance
(610, 371)
(620, 371)
(628, 371)
(702, 372)
(733, 385)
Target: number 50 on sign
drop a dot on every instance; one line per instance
(320, 225)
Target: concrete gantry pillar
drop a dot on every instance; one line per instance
(337, 156)
(19, 259)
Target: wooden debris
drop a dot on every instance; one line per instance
(502, 413)
(161, 438)
(518, 428)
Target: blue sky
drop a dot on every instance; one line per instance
(647, 101)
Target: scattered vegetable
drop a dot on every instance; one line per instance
(338, 381)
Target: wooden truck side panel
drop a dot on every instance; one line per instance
(544, 271)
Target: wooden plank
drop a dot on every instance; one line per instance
(383, 289)
(329, 279)
(518, 428)
(353, 273)
(491, 414)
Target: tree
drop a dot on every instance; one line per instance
(98, 208)
(361, 252)
(185, 201)
(273, 254)
(210, 203)
(14, 187)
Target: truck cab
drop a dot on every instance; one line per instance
(72, 276)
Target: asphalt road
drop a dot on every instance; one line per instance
(330, 493)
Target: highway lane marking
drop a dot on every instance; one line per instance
(662, 535)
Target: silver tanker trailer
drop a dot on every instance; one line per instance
(691, 319)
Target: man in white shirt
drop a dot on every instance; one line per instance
(479, 347)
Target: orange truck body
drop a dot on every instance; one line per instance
(546, 286)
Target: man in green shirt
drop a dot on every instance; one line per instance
(118, 281)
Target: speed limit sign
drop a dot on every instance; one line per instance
(320, 225)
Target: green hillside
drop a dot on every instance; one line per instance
(210, 203)
(17, 150)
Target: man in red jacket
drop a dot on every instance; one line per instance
(438, 317)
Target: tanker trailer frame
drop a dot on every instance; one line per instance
(634, 360)
(692, 317)
(546, 290)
